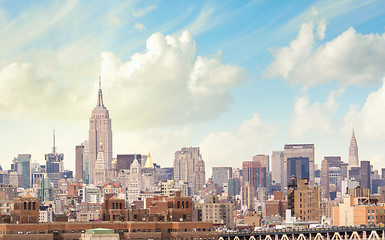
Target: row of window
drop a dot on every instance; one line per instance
(381, 211)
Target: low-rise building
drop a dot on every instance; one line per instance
(125, 230)
(177, 208)
(355, 212)
(86, 212)
(46, 214)
(26, 210)
(220, 214)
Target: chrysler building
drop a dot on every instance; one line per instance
(100, 131)
(353, 152)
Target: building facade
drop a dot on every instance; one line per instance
(301, 151)
(254, 173)
(264, 159)
(221, 175)
(277, 161)
(307, 201)
(100, 131)
(220, 214)
(325, 178)
(79, 163)
(186, 169)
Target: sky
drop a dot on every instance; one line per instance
(236, 78)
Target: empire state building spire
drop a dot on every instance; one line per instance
(100, 131)
(353, 152)
(100, 95)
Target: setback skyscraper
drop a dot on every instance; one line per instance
(100, 131)
(189, 167)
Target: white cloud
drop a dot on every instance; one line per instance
(370, 119)
(350, 59)
(208, 17)
(314, 118)
(142, 12)
(167, 84)
(140, 27)
(230, 148)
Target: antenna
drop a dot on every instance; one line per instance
(54, 147)
(100, 82)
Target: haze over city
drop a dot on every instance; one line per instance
(234, 78)
(209, 120)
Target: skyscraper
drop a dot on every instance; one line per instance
(185, 167)
(298, 166)
(264, 159)
(277, 161)
(353, 152)
(295, 151)
(254, 173)
(24, 168)
(365, 174)
(200, 175)
(221, 175)
(325, 177)
(54, 164)
(100, 131)
(79, 164)
(54, 160)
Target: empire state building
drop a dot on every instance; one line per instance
(100, 131)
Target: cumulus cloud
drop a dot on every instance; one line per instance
(314, 118)
(350, 59)
(370, 119)
(168, 84)
(48, 85)
(229, 148)
(165, 85)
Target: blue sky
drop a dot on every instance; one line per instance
(236, 78)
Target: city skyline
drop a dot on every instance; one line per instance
(236, 91)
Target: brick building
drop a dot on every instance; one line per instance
(276, 207)
(73, 193)
(25, 210)
(307, 201)
(114, 209)
(126, 230)
(177, 208)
